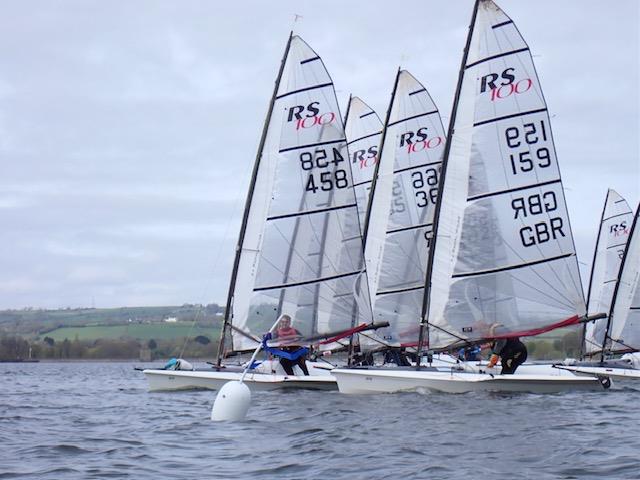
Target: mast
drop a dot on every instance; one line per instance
(593, 263)
(365, 229)
(243, 228)
(617, 287)
(424, 332)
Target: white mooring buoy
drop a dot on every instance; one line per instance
(232, 402)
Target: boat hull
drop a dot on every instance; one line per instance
(617, 373)
(362, 381)
(171, 380)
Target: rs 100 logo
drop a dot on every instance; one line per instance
(503, 85)
(419, 140)
(309, 116)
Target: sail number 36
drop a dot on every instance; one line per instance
(328, 179)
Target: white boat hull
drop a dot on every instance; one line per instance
(167, 380)
(362, 381)
(619, 373)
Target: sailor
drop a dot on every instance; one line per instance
(285, 332)
(511, 351)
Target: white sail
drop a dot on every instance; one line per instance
(400, 219)
(624, 330)
(504, 252)
(301, 253)
(615, 225)
(363, 128)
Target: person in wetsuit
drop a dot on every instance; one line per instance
(286, 332)
(512, 353)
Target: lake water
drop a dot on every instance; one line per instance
(97, 420)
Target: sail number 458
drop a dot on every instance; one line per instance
(328, 179)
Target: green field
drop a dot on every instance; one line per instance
(140, 331)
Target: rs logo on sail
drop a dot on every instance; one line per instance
(420, 142)
(365, 158)
(312, 116)
(507, 85)
(619, 229)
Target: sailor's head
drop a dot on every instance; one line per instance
(496, 329)
(285, 321)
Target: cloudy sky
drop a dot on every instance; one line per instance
(128, 129)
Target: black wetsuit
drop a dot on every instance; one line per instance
(512, 352)
(288, 365)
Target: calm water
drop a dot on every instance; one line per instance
(97, 420)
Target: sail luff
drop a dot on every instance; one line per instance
(245, 216)
(593, 264)
(424, 332)
(365, 228)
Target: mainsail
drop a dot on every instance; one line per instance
(615, 225)
(623, 330)
(300, 247)
(503, 253)
(363, 129)
(400, 216)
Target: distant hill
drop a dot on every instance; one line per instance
(33, 323)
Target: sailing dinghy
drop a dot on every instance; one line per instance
(503, 253)
(621, 332)
(300, 247)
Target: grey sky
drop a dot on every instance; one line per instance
(128, 129)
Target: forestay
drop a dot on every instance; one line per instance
(615, 225)
(504, 251)
(363, 128)
(624, 330)
(399, 226)
(302, 252)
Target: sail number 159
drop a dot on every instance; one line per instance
(527, 137)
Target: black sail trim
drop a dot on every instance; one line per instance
(311, 145)
(362, 138)
(616, 246)
(367, 114)
(418, 91)
(412, 227)
(506, 117)
(310, 212)
(411, 118)
(400, 170)
(401, 290)
(308, 60)
(618, 215)
(307, 282)
(493, 57)
(359, 184)
(498, 25)
(293, 92)
(512, 267)
(511, 190)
